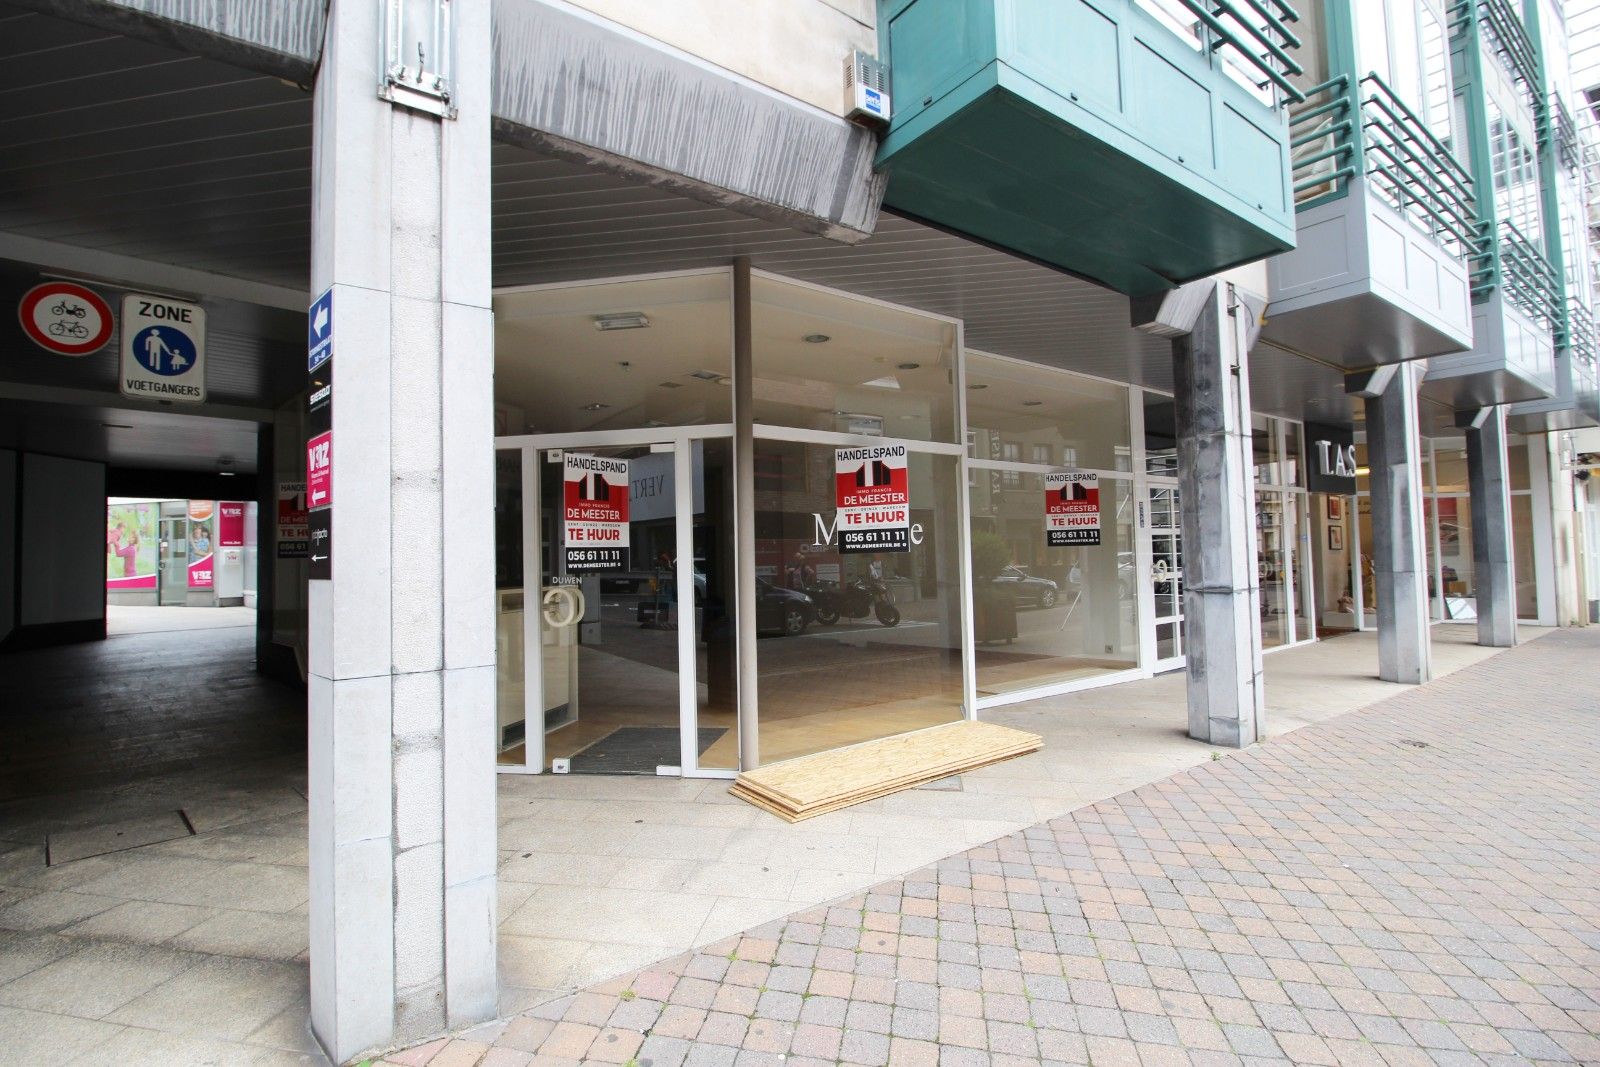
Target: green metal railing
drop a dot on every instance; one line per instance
(1518, 266)
(1322, 141)
(1405, 162)
(1564, 133)
(1414, 170)
(1581, 339)
(1258, 33)
(1510, 36)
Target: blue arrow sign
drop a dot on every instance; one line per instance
(319, 331)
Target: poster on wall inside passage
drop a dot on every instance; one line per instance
(131, 546)
(292, 533)
(1071, 508)
(872, 493)
(202, 542)
(230, 524)
(595, 512)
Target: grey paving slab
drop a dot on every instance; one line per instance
(1410, 883)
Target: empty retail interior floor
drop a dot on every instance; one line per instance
(153, 893)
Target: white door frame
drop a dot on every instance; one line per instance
(1147, 585)
(679, 442)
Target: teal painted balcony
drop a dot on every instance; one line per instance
(1091, 134)
(1575, 404)
(1386, 220)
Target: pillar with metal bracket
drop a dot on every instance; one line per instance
(1212, 325)
(1399, 554)
(1489, 481)
(401, 617)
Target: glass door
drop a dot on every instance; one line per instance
(1166, 573)
(173, 583)
(613, 632)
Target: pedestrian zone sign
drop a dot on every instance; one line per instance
(163, 349)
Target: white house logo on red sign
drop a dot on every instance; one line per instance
(65, 318)
(595, 512)
(872, 492)
(1071, 508)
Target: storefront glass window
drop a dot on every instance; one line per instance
(1522, 556)
(1052, 418)
(854, 646)
(1455, 577)
(615, 355)
(1294, 465)
(1045, 614)
(1160, 435)
(1304, 587)
(830, 362)
(1517, 465)
(510, 675)
(1264, 446)
(1274, 565)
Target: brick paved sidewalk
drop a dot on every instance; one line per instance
(1417, 882)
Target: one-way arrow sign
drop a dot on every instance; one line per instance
(320, 529)
(319, 331)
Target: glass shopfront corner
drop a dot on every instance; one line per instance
(934, 531)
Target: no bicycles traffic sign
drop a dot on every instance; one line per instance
(65, 318)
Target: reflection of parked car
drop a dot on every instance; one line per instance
(1027, 589)
(788, 611)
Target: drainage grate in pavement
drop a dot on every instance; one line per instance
(119, 836)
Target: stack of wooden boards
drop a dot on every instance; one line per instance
(814, 785)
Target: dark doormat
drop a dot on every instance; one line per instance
(637, 750)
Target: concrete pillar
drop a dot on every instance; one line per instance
(1212, 325)
(401, 688)
(1489, 481)
(1399, 550)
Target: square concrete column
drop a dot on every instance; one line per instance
(1212, 325)
(1489, 481)
(1399, 550)
(401, 660)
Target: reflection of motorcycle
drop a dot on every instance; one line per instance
(77, 311)
(862, 597)
(68, 329)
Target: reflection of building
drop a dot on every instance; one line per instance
(642, 239)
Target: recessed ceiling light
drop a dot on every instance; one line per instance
(227, 474)
(622, 320)
(595, 407)
(816, 338)
(724, 381)
(910, 366)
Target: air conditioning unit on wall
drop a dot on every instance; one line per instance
(866, 89)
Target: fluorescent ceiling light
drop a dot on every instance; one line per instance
(622, 320)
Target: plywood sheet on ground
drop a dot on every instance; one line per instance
(827, 781)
